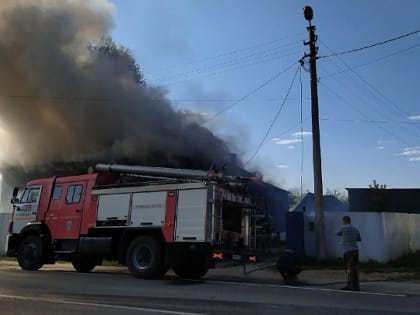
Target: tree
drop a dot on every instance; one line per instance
(106, 46)
(295, 197)
(340, 195)
(375, 185)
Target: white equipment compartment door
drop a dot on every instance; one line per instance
(148, 209)
(113, 207)
(191, 215)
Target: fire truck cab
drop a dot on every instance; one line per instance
(150, 219)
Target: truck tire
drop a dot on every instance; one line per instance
(144, 258)
(83, 263)
(30, 253)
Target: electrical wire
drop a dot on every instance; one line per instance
(361, 113)
(399, 110)
(222, 100)
(370, 62)
(348, 68)
(263, 45)
(228, 62)
(250, 93)
(370, 46)
(200, 73)
(275, 117)
(370, 121)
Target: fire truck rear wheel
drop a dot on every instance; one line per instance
(144, 258)
(30, 253)
(83, 264)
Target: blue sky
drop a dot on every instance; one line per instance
(209, 55)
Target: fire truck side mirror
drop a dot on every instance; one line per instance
(14, 195)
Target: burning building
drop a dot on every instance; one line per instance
(70, 97)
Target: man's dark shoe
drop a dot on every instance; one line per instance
(345, 289)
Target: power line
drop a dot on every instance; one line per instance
(400, 111)
(221, 100)
(374, 89)
(219, 68)
(370, 46)
(371, 121)
(361, 113)
(275, 118)
(263, 45)
(370, 62)
(250, 93)
(228, 62)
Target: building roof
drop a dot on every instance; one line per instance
(330, 202)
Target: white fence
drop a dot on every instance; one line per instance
(385, 236)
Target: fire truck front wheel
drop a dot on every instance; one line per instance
(30, 253)
(144, 258)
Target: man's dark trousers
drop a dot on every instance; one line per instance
(351, 262)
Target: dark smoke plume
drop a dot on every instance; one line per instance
(64, 99)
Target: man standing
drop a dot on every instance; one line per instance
(350, 235)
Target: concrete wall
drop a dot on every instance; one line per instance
(385, 236)
(4, 222)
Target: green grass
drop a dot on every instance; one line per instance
(409, 260)
(407, 263)
(111, 263)
(6, 258)
(409, 277)
(106, 263)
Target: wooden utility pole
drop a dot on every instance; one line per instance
(318, 191)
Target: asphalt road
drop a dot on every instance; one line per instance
(68, 292)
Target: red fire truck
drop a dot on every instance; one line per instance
(149, 218)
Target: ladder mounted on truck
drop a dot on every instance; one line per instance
(153, 175)
(162, 172)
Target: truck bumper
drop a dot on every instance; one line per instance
(241, 256)
(179, 252)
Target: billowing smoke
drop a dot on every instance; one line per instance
(68, 95)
